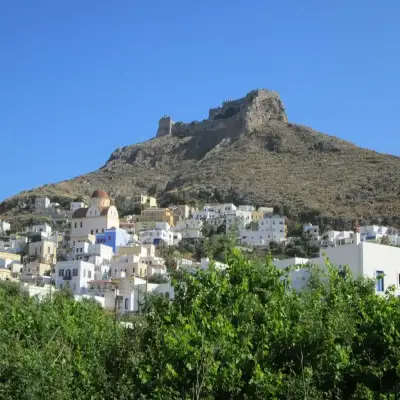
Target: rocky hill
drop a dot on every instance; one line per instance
(246, 151)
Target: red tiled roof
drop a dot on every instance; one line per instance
(80, 213)
(100, 194)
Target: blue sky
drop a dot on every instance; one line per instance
(79, 79)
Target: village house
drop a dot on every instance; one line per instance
(114, 238)
(190, 229)
(270, 228)
(145, 200)
(162, 235)
(75, 205)
(42, 203)
(44, 251)
(155, 215)
(4, 227)
(44, 230)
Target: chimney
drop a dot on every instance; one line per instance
(357, 237)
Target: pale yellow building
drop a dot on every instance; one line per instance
(156, 215)
(145, 200)
(144, 226)
(98, 217)
(43, 251)
(33, 269)
(258, 215)
(5, 274)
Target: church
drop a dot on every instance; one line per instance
(98, 217)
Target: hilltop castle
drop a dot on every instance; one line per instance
(254, 109)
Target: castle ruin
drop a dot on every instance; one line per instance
(236, 116)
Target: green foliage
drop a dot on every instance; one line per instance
(158, 278)
(241, 333)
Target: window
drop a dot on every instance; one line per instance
(48, 250)
(76, 224)
(74, 286)
(89, 274)
(109, 238)
(75, 272)
(102, 230)
(81, 224)
(380, 287)
(126, 304)
(91, 232)
(60, 272)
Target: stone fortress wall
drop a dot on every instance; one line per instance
(252, 110)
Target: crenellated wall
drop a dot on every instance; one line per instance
(237, 116)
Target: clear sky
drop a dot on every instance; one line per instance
(80, 78)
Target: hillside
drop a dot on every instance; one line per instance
(246, 151)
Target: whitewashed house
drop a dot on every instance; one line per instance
(270, 228)
(76, 205)
(4, 227)
(205, 215)
(336, 238)
(84, 250)
(371, 260)
(190, 229)
(161, 236)
(373, 232)
(44, 229)
(42, 203)
(74, 275)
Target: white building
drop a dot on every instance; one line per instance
(161, 236)
(270, 228)
(220, 208)
(74, 275)
(336, 238)
(238, 219)
(84, 250)
(366, 259)
(205, 215)
(190, 229)
(75, 205)
(373, 232)
(371, 260)
(246, 208)
(42, 203)
(44, 229)
(4, 227)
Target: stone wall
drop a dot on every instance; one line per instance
(165, 126)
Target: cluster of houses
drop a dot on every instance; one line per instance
(95, 253)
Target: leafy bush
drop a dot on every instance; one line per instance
(241, 333)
